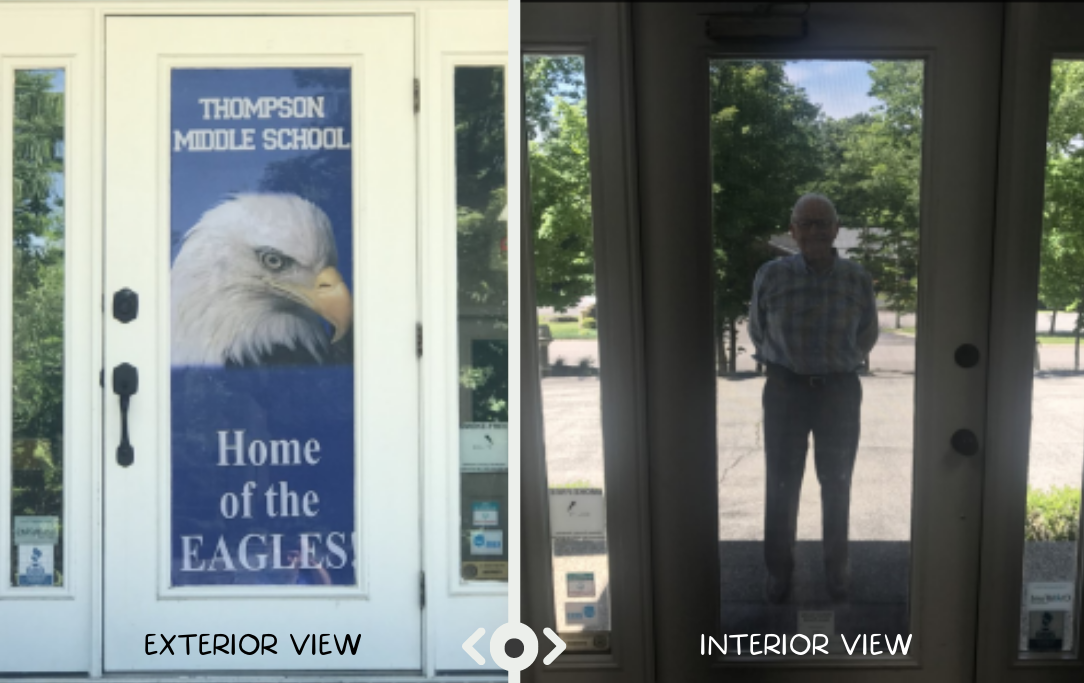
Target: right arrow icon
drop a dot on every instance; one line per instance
(558, 646)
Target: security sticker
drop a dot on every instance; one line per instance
(1050, 596)
(36, 530)
(820, 622)
(487, 542)
(581, 614)
(35, 565)
(485, 513)
(1046, 631)
(581, 584)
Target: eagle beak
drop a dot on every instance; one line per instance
(331, 299)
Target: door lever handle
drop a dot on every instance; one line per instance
(125, 384)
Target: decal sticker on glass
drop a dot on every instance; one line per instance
(262, 397)
(1050, 608)
(36, 530)
(577, 513)
(483, 447)
(485, 513)
(582, 613)
(35, 565)
(490, 570)
(581, 584)
(487, 542)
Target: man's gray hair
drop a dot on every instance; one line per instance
(810, 196)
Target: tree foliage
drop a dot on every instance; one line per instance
(770, 144)
(1061, 275)
(560, 179)
(764, 147)
(37, 282)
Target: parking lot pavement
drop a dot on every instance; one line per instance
(881, 503)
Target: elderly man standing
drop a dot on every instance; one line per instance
(813, 320)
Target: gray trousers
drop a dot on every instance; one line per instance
(794, 409)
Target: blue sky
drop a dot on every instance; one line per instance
(839, 87)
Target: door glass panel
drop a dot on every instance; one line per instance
(569, 326)
(1050, 599)
(37, 357)
(815, 349)
(482, 266)
(263, 428)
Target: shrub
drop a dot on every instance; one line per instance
(577, 484)
(1053, 515)
(564, 319)
(589, 324)
(589, 311)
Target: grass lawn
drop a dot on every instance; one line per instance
(906, 331)
(1055, 339)
(1043, 339)
(571, 331)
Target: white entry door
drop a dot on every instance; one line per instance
(261, 483)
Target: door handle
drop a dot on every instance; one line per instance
(125, 383)
(965, 442)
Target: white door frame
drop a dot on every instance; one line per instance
(962, 48)
(1036, 33)
(141, 196)
(43, 40)
(601, 33)
(475, 35)
(76, 31)
(670, 53)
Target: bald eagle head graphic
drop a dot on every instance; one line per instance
(254, 281)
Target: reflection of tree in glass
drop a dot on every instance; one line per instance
(38, 301)
(770, 144)
(872, 167)
(763, 142)
(481, 242)
(556, 119)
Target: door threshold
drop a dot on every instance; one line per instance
(487, 677)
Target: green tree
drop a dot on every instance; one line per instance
(1061, 274)
(37, 282)
(872, 168)
(765, 145)
(560, 180)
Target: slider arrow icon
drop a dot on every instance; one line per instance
(468, 646)
(558, 646)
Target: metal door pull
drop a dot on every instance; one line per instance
(125, 383)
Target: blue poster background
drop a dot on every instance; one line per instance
(291, 400)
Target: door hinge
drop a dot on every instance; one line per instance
(421, 587)
(417, 95)
(418, 339)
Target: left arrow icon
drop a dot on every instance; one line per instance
(468, 646)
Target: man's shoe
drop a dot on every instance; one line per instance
(776, 589)
(839, 583)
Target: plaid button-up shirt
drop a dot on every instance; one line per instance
(810, 323)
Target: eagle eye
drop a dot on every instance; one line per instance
(273, 261)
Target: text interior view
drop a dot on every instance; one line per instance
(803, 294)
